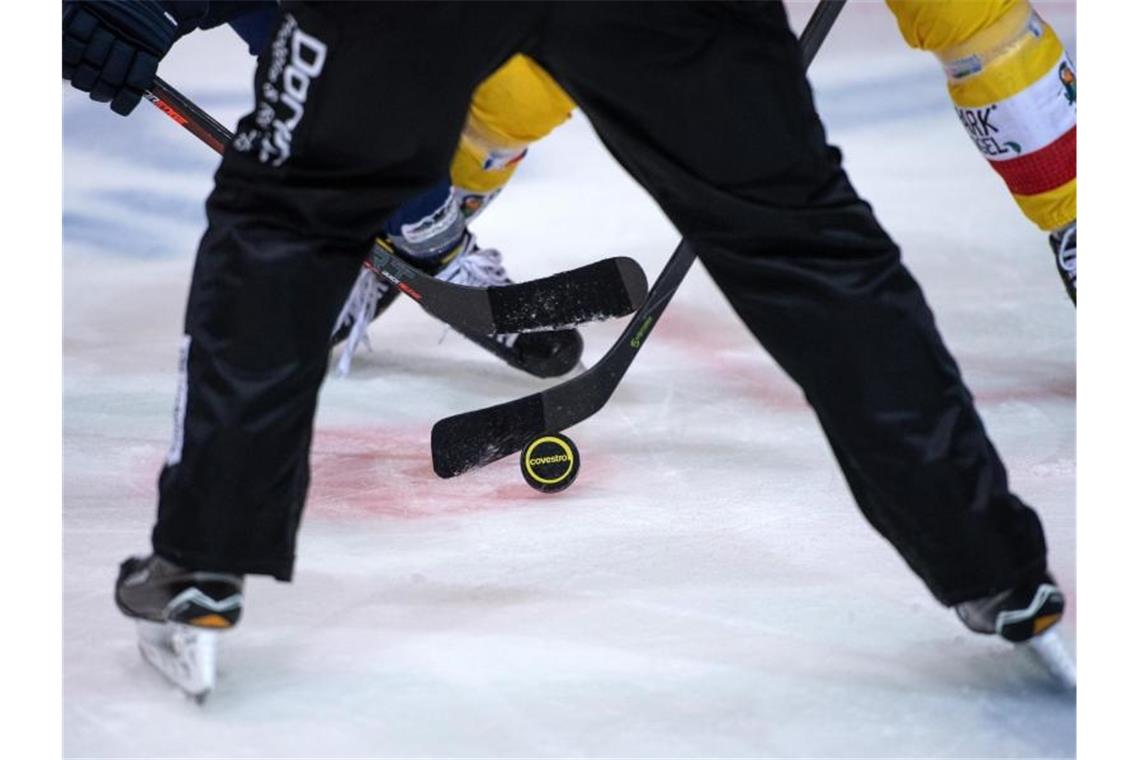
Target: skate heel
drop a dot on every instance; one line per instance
(178, 614)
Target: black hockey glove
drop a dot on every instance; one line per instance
(111, 49)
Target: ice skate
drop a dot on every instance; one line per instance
(1064, 245)
(1027, 616)
(179, 614)
(550, 353)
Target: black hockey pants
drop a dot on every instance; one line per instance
(359, 107)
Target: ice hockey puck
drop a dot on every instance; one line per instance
(550, 463)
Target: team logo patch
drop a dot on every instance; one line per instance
(963, 67)
(982, 126)
(501, 159)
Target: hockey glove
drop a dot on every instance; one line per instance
(111, 49)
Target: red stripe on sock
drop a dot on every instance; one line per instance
(1042, 170)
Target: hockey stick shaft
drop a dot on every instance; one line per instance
(184, 112)
(609, 288)
(466, 441)
(207, 129)
(818, 26)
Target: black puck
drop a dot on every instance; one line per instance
(550, 463)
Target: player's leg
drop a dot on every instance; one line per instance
(298, 197)
(1015, 91)
(726, 138)
(311, 174)
(515, 106)
(431, 229)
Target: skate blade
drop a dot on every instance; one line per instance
(185, 654)
(1049, 649)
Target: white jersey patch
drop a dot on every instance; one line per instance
(1027, 121)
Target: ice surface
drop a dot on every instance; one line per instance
(706, 588)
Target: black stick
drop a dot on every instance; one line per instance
(820, 23)
(608, 288)
(473, 439)
(180, 108)
(466, 441)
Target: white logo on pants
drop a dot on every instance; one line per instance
(174, 456)
(297, 59)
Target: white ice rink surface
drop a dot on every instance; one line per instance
(706, 588)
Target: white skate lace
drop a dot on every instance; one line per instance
(358, 311)
(480, 267)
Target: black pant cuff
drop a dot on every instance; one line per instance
(280, 568)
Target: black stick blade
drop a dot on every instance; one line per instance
(471, 440)
(602, 290)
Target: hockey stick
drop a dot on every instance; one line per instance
(473, 439)
(184, 112)
(466, 441)
(608, 288)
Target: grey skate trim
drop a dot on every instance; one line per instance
(197, 597)
(138, 577)
(1013, 617)
(159, 567)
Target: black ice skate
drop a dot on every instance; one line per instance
(1064, 245)
(549, 353)
(179, 614)
(1025, 615)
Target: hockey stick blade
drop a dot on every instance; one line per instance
(473, 439)
(466, 441)
(604, 289)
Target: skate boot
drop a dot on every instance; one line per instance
(1064, 245)
(179, 613)
(1025, 615)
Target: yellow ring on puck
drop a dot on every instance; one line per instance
(561, 443)
(550, 463)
